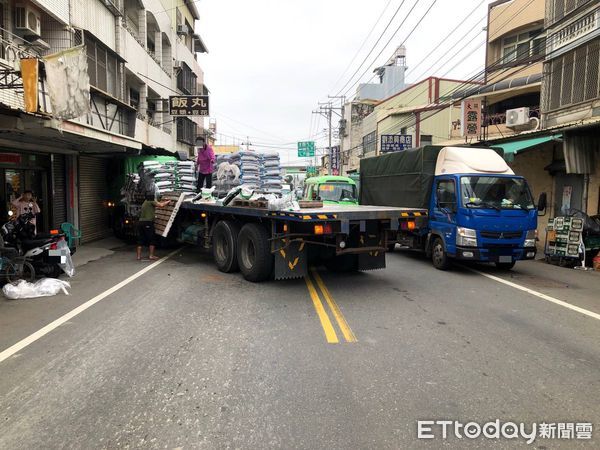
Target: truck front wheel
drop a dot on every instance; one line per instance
(439, 256)
(224, 246)
(254, 253)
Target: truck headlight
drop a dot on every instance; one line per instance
(530, 238)
(466, 237)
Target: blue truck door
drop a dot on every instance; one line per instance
(444, 209)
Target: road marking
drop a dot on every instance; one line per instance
(330, 333)
(538, 294)
(337, 313)
(10, 351)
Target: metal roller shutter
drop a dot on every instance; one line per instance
(59, 191)
(93, 193)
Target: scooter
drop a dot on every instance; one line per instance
(41, 251)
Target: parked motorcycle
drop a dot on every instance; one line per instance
(40, 250)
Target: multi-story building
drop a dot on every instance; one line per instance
(139, 52)
(514, 54)
(424, 112)
(571, 100)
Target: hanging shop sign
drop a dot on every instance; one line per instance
(334, 158)
(188, 105)
(471, 115)
(395, 142)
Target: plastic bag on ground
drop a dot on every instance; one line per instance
(46, 287)
(67, 266)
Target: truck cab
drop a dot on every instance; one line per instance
(479, 210)
(332, 190)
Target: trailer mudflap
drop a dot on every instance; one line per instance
(374, 259)
(290, 259)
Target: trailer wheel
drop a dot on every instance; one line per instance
(224, 246)
(438, 255)
(254, 253)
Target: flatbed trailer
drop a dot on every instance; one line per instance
(265, 244)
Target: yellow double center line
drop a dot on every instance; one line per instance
(330, 333)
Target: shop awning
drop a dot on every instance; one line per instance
(510, 148)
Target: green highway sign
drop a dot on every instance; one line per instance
(306, 149)
(312, 170)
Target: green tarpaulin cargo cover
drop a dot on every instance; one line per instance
(400, 178)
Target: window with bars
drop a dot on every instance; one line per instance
(523, 46)
(370, 143)
(104, 67)
(558, 9)
(186, 130)
(108, 116)
(573, 77)
(187, 80)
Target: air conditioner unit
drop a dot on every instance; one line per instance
(28, 20)
(182, 29)
(516, 118)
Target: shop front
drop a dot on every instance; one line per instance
(34, 172)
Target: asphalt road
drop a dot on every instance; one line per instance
(184, 356)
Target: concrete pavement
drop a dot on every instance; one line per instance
(185, 356)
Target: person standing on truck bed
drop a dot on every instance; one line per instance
(205, 163)
(145, 226)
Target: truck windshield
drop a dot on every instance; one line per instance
(337, 192)
(496, 193)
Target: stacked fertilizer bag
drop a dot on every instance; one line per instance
(270, 173)
(249, 165)
(185, 174)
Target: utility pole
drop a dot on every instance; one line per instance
(247, 143)
(327, 109)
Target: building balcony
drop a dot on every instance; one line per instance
(148, 68)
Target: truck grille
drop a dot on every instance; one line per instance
(501, 235)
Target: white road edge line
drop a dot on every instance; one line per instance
(538, 294)
(10, 351)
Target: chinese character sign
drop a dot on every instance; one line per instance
(395, 142)
(188, 105)
(471, 114)
(334, 158)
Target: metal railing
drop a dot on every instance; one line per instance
(11, 51)
(500, 118)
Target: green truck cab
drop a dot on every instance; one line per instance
(331, 189)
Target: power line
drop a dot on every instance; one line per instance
(466, 45)
(375, 45)
(390, 40)
(363, 44)
(448, 35)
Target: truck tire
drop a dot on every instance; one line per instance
(254, 253)
(224, 246)
(505, 266)
(439, 257)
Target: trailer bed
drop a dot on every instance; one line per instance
(329, 212)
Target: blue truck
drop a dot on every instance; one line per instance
(478, 209)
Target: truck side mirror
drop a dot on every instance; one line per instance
(542, 202)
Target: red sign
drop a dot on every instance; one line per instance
(10, 158)
(471, 115)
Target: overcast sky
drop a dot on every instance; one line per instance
(271, 61)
